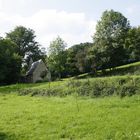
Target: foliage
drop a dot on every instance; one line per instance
(10, 62)
(109, 39)
(106, 87)
(93, 87)
(77, 58)
(57, 57)
(115, 43)
(132, 43)
(57, 46)
(25, 40)
(128, 70)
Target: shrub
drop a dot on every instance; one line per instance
(99, 87)
(123, 86)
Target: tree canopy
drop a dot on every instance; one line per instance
(110, 37)
(57, 57)
(132, 43)
(10, 62)
(25, 40)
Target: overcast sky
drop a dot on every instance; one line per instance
(73, 20)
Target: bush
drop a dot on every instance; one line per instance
(126, 86)
(128, 89)
(98, 87)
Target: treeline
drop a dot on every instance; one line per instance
(115, 43)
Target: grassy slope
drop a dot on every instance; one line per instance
(129, 69)
(93, 87)
(130, 65)
(52, 118)
(38, 118)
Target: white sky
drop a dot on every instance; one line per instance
(74, 20)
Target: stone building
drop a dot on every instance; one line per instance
(37, 72)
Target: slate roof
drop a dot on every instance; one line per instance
(33, 67)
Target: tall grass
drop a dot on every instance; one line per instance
(54, 118)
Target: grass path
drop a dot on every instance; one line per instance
(54, 118)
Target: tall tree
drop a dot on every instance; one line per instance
(109, 39)
(25, 40)
(57, 57)
(10, 62)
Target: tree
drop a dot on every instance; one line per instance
(57, 57)
(71, 62)
(77, 59)
(94, 57)
(81, 57)
(132, 43)
(10, 62)
(109, 39)
(25, 40)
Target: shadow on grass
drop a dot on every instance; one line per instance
(16, 87)
(4, 136)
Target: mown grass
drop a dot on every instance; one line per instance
(69, 118)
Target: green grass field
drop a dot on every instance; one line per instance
(69, 118)
(105, 108)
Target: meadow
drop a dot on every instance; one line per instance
(69, 118)
(102, 108)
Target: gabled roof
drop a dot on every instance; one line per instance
(33, 67)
